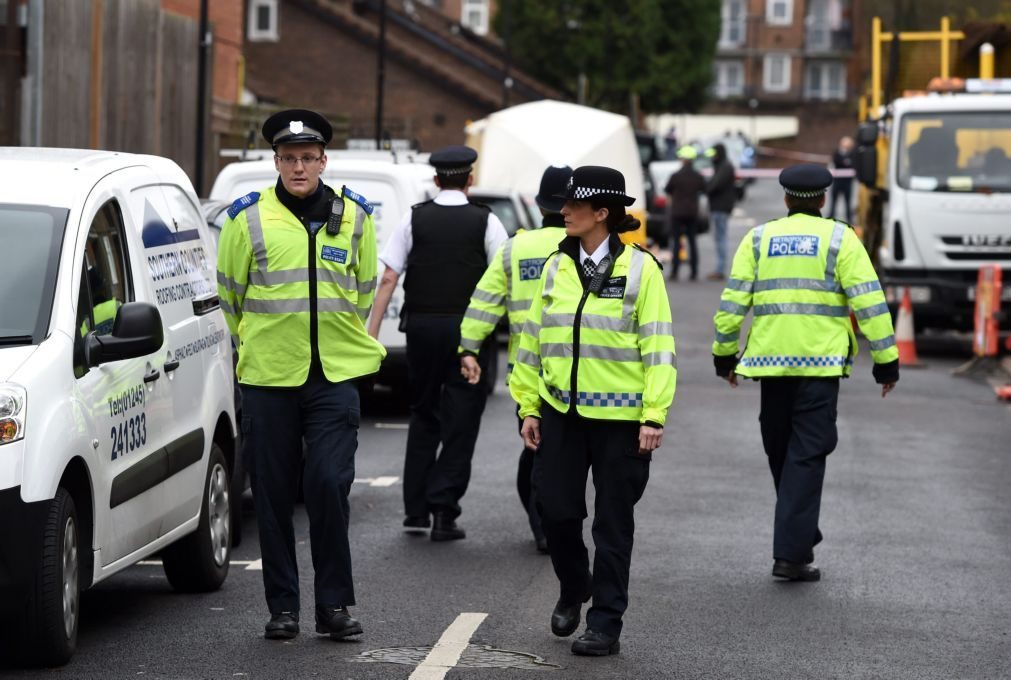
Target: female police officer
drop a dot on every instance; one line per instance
(594, 377)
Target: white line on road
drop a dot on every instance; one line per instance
(392, 426)
(234, 563)
(255, 565)
(448, 649)
(378, 481)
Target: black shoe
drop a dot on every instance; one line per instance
(445, 528)
(565, 618)
(542, 544)
(283, 626)
(415, 524)
(336, 622)
(592, 643)
(795, 571)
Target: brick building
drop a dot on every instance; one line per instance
(323, 54)
(226, 20)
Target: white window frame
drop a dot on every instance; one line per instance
(483, 10)
(770, 12)
(823, 93)
(767, 72)
(253, 32)
(721, 87)
(727, 21)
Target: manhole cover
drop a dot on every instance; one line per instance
(474, 656)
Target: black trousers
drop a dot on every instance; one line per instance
(798, 420)
(842, 189)
(274, 424)
(445, 410)
(526, 489)
(684, 226)
(570, 446)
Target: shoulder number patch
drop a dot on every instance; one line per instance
(795, 246)
(241, 204)
(332, 254)
(359, 199)
(530, 270)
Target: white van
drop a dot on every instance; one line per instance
(117, 425)
(391, 186)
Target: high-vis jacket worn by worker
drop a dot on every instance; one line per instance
(801, 275)
(509, 284)
(276, 282)
(610, 353)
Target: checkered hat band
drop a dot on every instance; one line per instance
(804, 194)
(587, 192)
(306, 130)
(453, 171)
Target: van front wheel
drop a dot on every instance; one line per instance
(199, 562)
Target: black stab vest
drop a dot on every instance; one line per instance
(447, 257)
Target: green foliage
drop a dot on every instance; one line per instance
(660, 50)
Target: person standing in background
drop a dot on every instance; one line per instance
(842, 187)
(722, 195)
(683, 188)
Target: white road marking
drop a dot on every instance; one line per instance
(392, 426)
(446, 652)
(378, 481)
(234, 563)
(255, 565)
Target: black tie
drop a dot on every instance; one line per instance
(589, 269)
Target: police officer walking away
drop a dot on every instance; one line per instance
(802, 275)
(296, 278)
(509, 285)
(594, 379)
(444, 246)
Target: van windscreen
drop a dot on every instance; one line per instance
(31, 236)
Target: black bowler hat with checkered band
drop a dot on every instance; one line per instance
(805, 180)
(297, 126)
(590, 182)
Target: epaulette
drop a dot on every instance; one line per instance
(241, 204)
(478, 204)
(359, 199)
(648, 252)
(418, 205)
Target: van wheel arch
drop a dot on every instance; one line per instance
(77, 481)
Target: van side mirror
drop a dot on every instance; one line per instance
(867, 134)
(137, 332)
(865, 165)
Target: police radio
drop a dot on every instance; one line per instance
(333, 223)
(600, 275)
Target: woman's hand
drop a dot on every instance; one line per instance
(470, 369)
(650, 438)
(531, 433)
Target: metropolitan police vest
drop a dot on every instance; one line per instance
(447, 257)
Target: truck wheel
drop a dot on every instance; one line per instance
(50, 636)
(199, 562)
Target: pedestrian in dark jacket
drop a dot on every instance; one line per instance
(684, 188)
(722, 195)
(842, 187)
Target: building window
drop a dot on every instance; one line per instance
(779, 12)
(733, 23)
(728, 79)
(825, 80)
(828, 26)
(776, 73)
(474, 15)
(262, 24)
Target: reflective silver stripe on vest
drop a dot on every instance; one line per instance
(656, 328)
(833, 250)
(256, 236)
(741, 285)
(525, 356)
(297, 305)
(325, 305)
(609, 353)
(507, 251)
(479, 315)
(756, 245)
(226, 307)
(664, 358)
(549, 277)
(532, 328)
(733, 308)
(728, 337)
(470, 345)
(876, 310)
(363, 314)
(301, 275)
(598, 322)
(800, 308)
(519, 305)
(356, 236)
(231, 285)
(822, 286)
(883, 343)
(558, 350)
(490, 298)
(634, 281)
(863, 289)
(515, 328)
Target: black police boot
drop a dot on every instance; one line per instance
(283, 626)
(795, 571)
(565, 617)
(336, 622)
(444, 528)
(592, 643)
(416, 524)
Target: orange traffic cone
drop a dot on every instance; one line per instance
(904, 336)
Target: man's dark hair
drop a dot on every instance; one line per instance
(457, 181)
(811, 204)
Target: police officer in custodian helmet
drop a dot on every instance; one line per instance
(296, 278)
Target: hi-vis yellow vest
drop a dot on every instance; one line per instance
(509, 284)
(611, 354)
(264, 272)
(801, 276)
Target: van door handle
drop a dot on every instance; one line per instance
(152, 376)
(171, 366)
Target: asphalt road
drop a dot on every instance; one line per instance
(916, 561)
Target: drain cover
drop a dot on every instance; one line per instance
(474, 656)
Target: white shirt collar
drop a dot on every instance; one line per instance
(451, 197)
(598, 254)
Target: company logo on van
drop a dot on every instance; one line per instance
(984, 240)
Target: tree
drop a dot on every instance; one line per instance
(658, 50)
